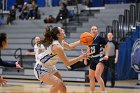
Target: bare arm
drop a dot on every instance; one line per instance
(71, 45)
(107, 49)
(116, 59)
(60, 52)
(30, 53)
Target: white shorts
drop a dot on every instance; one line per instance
(39, 70)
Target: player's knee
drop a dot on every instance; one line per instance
(97, 76)
(91, 77)
(61, 85)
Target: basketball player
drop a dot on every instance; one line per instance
(3, 45)
(55, 41)
(38, 48)
(96, 60)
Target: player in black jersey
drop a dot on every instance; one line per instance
(3, 45)
(97, 59)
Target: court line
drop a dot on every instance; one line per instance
(86, 85)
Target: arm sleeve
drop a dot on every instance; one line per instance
(103, 41)
(116, 44)
(7, 64)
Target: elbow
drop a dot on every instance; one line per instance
(67, 63)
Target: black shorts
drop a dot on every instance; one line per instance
(94, 61)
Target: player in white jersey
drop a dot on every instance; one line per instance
(55, 41)
(38, 48)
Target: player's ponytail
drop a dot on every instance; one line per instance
(50, 35)
(3, 38)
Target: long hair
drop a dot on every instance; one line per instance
(3, 38)
(50, 35)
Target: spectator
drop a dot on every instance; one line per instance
(25, 11)
(50, 19)
(30, 1)
(12, 16)
(112, 60)
(33, 11)
(63, 1)
(19, 4)
(63, 12)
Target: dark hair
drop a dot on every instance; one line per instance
(3, 38)
(50, 35)
(64, 4)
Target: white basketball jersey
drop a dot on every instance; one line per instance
(47, 58)
(46, 62)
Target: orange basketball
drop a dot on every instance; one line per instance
(86, 38)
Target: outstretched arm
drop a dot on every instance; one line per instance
(70, 46)
(57, 49)
(7, 64)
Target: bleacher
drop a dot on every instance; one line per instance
(21, 34)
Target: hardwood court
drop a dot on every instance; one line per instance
(30, 86)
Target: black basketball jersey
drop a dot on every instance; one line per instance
(97, 47)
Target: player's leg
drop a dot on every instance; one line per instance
(105, 71)
(57, 74)
(98, 73)
(92, 80)
(58, 85)
(112, 70)
(105, 74)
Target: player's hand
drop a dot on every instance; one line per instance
(18, 65)
(2, 81)
(85, 61)
(116, 60)
(105, 58)
(86, 55)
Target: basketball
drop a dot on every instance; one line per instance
(86, 38)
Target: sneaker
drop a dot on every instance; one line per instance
(30, 18)
(33, 18)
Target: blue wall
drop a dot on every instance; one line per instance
(55, 2)
(123, 68)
